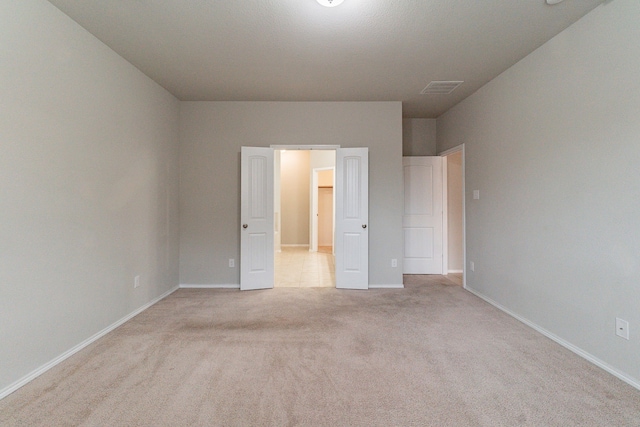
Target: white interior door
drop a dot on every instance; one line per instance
(422, 219)
(256, 219)
(352, 218)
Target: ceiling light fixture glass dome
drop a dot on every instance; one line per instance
(330, 3)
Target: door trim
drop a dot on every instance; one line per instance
(304, 147)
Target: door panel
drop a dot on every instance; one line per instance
(352, 218)
(422, 220)
(256, 219)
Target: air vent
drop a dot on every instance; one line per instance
(440, 88)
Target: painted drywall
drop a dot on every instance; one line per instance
(455, 251)
(325, 178)
(553, 146)
(419, 137)
(210, 139)
(88, 187)
(294, 193)
(277, 202)
(323, 159)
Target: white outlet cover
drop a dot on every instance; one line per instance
(622, 328)
(476, 194)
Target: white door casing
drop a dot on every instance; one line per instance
(352, 218)
(422, 220)
(256, 219)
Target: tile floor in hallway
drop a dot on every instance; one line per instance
(296, 267)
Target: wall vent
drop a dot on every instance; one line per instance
(440, 87)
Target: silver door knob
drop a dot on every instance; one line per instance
(364, 225)
(245, 225)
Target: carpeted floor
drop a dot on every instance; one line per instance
(431, 354)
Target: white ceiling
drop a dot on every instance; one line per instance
(297, 50)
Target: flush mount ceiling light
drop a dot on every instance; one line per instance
(552, 2)
(330, 3)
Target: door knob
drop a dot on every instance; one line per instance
(364, 225)
(245, 225)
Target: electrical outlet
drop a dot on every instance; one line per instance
(232, 262)
(476, 194)
(472, 265)
(136, 281)
(622, 328)
(394, 262)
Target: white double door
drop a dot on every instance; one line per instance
(257, 219)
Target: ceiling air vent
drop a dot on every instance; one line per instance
(440, 88)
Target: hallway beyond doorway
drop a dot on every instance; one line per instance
(296, 267)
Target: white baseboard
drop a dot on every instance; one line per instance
(211, 286)
(44, 368)
(455, 272)
(580, 352)
(236, 286)
(294, 246)
(396, 286)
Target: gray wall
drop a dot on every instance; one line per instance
(455, 238)
(553, 145)
(211, 136)
(419, 137)
(88, 187)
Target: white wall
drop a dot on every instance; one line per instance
(211, 136)
(553, 145)
(323, 159)
(325, 178)
(88, 187)
(277, 202)
(419, 137)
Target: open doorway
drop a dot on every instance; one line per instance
(454, 254)
(304, 218)
(257, 216)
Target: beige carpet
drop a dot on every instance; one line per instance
(428, 355)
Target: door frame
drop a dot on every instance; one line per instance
(445, 208)
(314, 194)
(277, 147)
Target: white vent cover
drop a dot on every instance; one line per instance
(440, 87)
